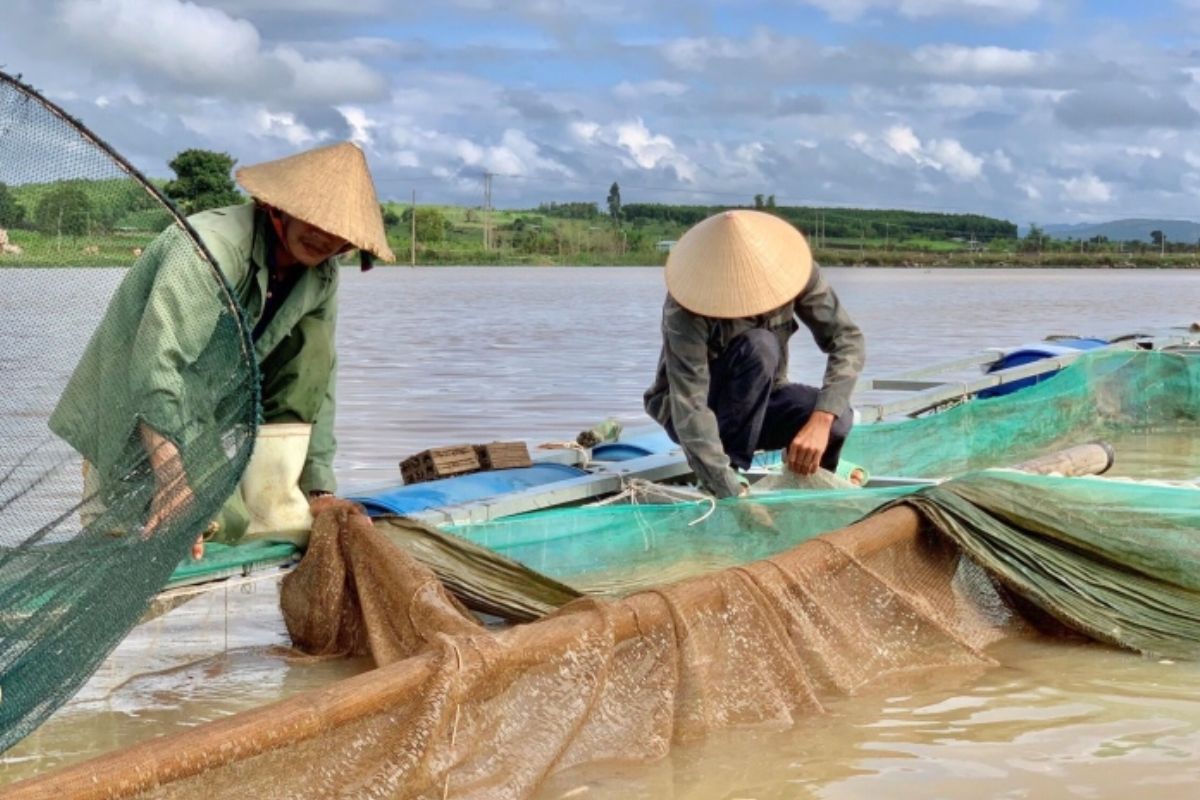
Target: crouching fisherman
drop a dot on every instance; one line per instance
(737, 283)
(279, 255)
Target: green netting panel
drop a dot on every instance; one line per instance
(223, 560)
(1099, 394)
(95, 367)
(1118, 560)
(620, 548)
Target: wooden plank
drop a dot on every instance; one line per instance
(439, 462)
(503, 455)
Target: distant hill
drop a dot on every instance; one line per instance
(1125, 230)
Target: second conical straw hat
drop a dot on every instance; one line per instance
(738, 264)
(329, 187)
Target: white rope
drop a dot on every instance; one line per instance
(635, 490)
(222, 583)
(585, 454)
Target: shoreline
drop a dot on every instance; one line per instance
(826, 258)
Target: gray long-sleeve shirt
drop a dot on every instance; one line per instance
(691, 342)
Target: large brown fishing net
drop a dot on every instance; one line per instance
(458, 710)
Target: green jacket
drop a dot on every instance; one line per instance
(146, 360)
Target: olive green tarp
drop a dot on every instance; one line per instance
(1116, 560)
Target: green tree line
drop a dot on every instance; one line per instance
(838, 223)
(103, 206)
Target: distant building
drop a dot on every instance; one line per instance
(665, 245)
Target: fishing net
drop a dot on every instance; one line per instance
(473, 713)
(129, 405)
(927, 583)
(1096, 396)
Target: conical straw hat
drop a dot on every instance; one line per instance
(738, 264)
(330, 188)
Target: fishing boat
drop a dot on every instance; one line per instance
(469, 506)
(956, 558)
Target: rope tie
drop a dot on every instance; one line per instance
(585, 453)
(636, 490)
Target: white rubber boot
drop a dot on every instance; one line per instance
(271, 485)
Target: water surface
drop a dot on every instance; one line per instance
(449, 355)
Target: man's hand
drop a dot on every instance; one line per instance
(172, 496)
(803, 455)
(754, 516)
(319, 500)
(172, 493)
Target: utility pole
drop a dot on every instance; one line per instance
(887, 237)
(487, 210)
(413, 214)
(1163, 251)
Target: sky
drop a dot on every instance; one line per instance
(1045, 111)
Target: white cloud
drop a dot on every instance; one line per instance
(990, 63)
(650, 150)
(909, 114)
(515, 154)
(183, 40)
(943, 155)
(648, 89)
(849, 10)
(693, 53)
(902, 139)
(1087, 189)
(360, 123)
(303, 6)
(951, 156)
(963, 97)
(209, 52)
(283, 126)
(518, 154)
(330, 80)
(584, 131)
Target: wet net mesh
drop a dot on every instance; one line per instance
(1096, 396)
(929, 582)
(119, 439)
(457, 710)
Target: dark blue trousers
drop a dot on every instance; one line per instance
(754, 414)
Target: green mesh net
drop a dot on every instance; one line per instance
(1116, 560)
(1118, 396)
(1099, 395)
(119, 439)
(613, 550)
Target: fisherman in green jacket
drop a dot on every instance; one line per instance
(279, 255)
(737, 283)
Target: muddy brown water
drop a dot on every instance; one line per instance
(440, 356)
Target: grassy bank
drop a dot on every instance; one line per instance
(531, 238)
(42, 250)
